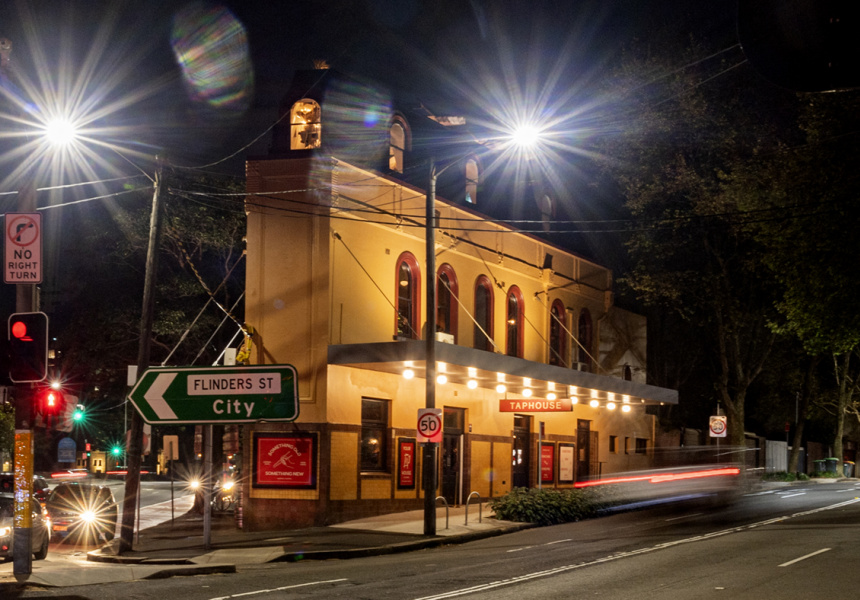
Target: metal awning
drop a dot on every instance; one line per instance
(460, 364)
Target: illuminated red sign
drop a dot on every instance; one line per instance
(285, 460)
(547, 463)
(527, 405)
(406, 464)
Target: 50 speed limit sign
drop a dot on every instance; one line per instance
(718, 426)
(430, 425)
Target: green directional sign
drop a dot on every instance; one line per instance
(217, 395)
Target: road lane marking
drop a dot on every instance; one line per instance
(784, 496)
(277, 589)
(558, 570)
(558, 542)
(796, 560)
(520, 549)
(684, 517)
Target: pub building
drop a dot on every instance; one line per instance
(541, 379)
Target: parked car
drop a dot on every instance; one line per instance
(41, 487)
(82, 510)
(40, 529)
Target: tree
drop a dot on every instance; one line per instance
(813, 192)
(96, 304)
(679, 138)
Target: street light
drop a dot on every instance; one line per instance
(524, 137)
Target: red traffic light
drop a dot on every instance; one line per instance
(51, 402)
(28, 347)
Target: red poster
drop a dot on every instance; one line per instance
(406, 465)
(284, 460)
(547, 463)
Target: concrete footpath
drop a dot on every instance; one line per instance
(167, 547)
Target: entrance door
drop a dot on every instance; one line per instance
(522, 444)
(583, 443)
(452, 439)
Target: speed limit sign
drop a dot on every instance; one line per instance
(430, 425)
(718, 426)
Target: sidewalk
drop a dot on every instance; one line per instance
(166, 547)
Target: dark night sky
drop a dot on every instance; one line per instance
(549, 55)
(437, 46)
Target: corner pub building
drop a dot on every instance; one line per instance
(540, 377)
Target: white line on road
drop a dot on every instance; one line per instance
(613, 557)
(277, 589)
(684, 517)
(796, 560)
(520, 549)
(558, 542)
(792, 495)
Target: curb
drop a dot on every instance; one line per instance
(105, 555)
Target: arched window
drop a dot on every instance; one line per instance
(396, 147)
(447, 292)
(514, 317)
(483, 330)
(557, 337)
(408, 291)
(585, 338)
(305, 125)
(472, 179)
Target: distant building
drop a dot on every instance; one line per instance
(335, 286)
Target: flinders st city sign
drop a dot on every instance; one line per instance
(526, 405)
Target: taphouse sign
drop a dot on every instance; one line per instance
(217, 395)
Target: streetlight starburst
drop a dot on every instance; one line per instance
(60, 132)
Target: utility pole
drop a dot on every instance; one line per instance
(135, 443)
(25, 301)
(429, 468)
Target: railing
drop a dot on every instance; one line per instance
(442, 498)
(480, 508)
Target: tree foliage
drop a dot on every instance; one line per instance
(681, 136)
(96, 306)
(813, 191)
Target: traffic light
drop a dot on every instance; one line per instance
(50, 401)
(116, 451)
(28, 346)
(78, 414)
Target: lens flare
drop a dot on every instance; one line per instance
(211, 48)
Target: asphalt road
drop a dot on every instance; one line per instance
(787, 543)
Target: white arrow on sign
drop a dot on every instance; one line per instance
(155, 396)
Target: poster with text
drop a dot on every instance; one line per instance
(547, 463)
(406, 464)
(285, 460)
(565, 463)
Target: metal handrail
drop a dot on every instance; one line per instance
(480, 508)
(442, 498)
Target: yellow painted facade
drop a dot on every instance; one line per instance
(325, 241)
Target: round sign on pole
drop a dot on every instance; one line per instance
(718, 426)
(430, 425)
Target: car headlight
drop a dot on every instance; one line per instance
(88, 516)
(4, 531)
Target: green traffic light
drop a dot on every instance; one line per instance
(78, 415)
(116, 451)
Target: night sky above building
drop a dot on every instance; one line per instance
(201, 82)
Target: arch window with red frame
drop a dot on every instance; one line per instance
(514, 318)
(557, 337)
(483, 329)
(447, 292)
(408, 279)
(586, 338)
